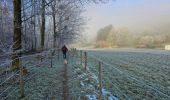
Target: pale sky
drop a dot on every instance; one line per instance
(137, 15)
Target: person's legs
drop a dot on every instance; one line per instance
(64, 54)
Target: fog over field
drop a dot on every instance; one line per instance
(138, 16)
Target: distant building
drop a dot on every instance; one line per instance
(167, 47)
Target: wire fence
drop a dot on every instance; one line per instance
(10, 80)
(119, 83)
(13, 81)
(88, 76)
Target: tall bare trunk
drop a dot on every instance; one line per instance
(54, 30)
(32, 26)
(35, 39)
(16, 34)
(54, 23)
(43, 25)
(1, 23)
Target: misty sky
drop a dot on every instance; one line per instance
(137, 15)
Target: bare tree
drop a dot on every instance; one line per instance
(53, 7)
(17, 34)
(42, 24)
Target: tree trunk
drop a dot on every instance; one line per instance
(16, 34)
(43, 25)
(1, 23)
(54, 30)
(35, 39)
(54, 23)
(32, 26)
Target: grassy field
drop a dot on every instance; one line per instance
(127, 74)
(134, 73)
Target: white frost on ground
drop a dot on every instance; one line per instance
(149, 67)
(89, 83)
(112, 98)
(82, 84)
(107, 93)
(95, 78)
(91, 97)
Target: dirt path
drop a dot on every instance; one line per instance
(51, 83)
(65, 84)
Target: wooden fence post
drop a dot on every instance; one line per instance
(21, 80)
(51, 59)
(100, 80)
(76, 52)
(85, 60)
(81, 57)
(41, 57)
(72, 52)
(58, 53)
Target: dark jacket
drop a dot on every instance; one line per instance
(64, 49)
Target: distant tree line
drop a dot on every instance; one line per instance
(122, 37)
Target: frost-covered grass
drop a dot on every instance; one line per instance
(127, 74)
(135, 73)
(88, 84)
(47, 83)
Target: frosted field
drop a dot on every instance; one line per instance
(127, 74)
(134, 73)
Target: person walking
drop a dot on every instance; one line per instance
(64, 50)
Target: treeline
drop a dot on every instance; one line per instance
(45, 23)
(122, 37)
(38, 25)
